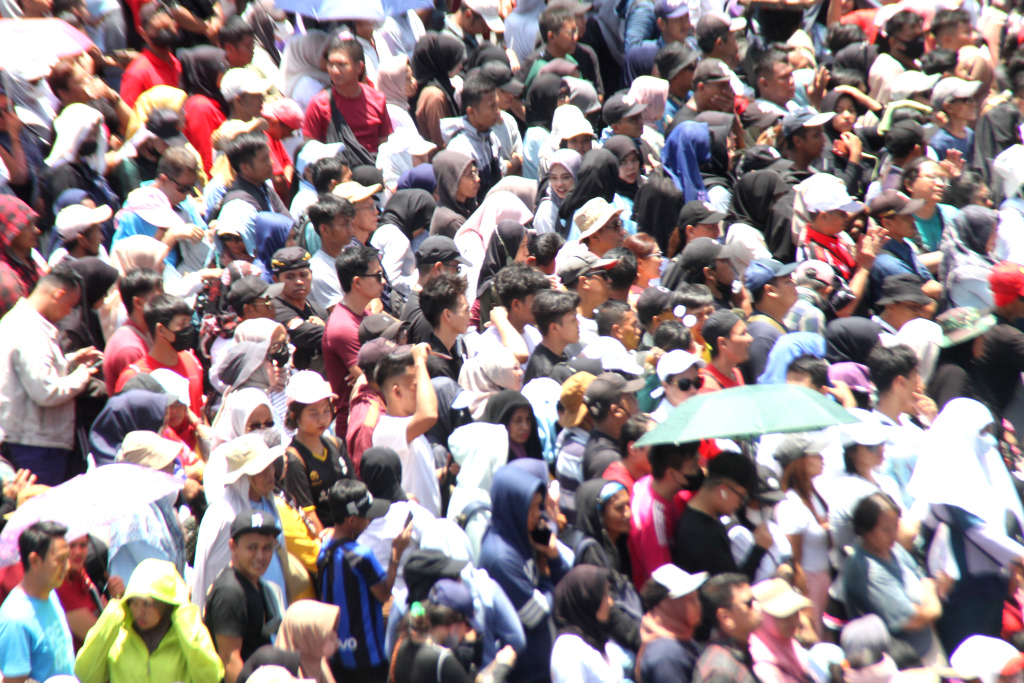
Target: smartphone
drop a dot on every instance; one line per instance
(408, 519)
(542, 534)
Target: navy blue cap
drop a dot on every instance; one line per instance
(762, 271)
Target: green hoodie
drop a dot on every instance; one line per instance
(114, 651)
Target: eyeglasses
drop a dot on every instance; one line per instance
(601, 274)
(230, 238)
(379, 275)
(744, 497)
(685, 383)
(474, 174)
(615, 225)
(263, 301)
(961, 100)
(184, 188)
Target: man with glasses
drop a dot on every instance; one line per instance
(250, 298)
(894, 212)
(701, 540)
(599, 226)
(773, 293)
(705, 261)
(587, 275)
(956, 98)
(611, 401)
(730, 606)
(438, 254)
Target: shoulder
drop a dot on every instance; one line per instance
(374, 96)
(320, 100)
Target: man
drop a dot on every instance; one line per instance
(304, 320)
(555, 314)
(314, 155)
(772, 293)
(611, 400)
(331, 218)
(510, 99)
(412, 411)
(903, 300)
(671, 659)
(773, 80)
(368, 403)
(901, 44)
(251, 297)
(815, 282)
(35, 640)
(446, 308)
(284, 117)
(238, 40)
(156, 64)
(997, 369)
(734, 613)
(515, 285)
(956, 98)
(717, 37)
(634, 463)
(618, 334)
(177, 173)
(599, 226)
(133, 170)
(712, 91)
(472, 20)
(242, 610)
(952, 29)
(700, 219)
(18, 269)
(471, 134)
(705, 261)
(81, 231)
(362, 109)
(438, 254)
(131, 341)
(677, 64)
(701, 541)
(244, 92)
(803, 132)
(623, 116)
(679, 374)
(38, 383)
(360, 275)
(657, 506)
(894, 211)
(70, 83)
(361, 197)
(655, 306)
(584, 55)
(586, 275)
(905, 141)
(557, 26)
(829, 208)
(249, 156)
(622, 275)
(727, 338)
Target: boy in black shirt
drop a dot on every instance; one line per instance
(555, 314)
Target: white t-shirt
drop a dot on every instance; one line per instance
(418, 477)
(326, 288)
(795, 519)
(490, 338)
(573, 661)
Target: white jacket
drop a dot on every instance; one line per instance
(37, 392)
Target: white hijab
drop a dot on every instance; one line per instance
(302, 58)
(475, 233)
(239, 405)
(567, 119)
(72, 127)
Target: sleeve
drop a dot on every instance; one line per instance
(131, 86)
(38, 374)
(201, 658)
(226, 613)
(990, 540)
(430, 109)
(640, 23)
(438, 367)
(304, 335)
(876, 592)
(314, 125)
(451, 670)
(91, 661)
(532, 606)
(370, 568)
(385, 128)
(15, 649)
(790, 517)
(505, 622)
(296, 482)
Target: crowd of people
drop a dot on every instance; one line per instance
(394, 303)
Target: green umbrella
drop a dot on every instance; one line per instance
(745, 412)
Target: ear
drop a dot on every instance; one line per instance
(232, 545)
(531, 260)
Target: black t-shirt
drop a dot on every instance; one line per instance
(667, 660)
(439, 367)
(237, 608)
(419, 663)
(999, 366)
(542, 362)
(309, 479)
(601, 451)
(419, 329)
(305, 336)
(702, 545)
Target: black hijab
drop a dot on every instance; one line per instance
(200, 67)
(996, 130)
(622, 146)
(381, 471)
(596, 178)
(433, 58)
(499, 411)
(578, 597)
(268, 655)
(542, 100)
(263, 26)
(410, 210)
(857, 57)
(753, 196)
(590, 522)
(716, 171)
(656, 207)
(501, 251)
(486, 52)
(84, 328)
(850, 340)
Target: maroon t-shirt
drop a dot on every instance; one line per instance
(341, 346)
(366, 115)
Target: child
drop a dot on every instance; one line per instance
(955, 98)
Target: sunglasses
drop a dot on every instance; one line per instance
(184, 188)
(685, 384)
(379, 275)
(256, 426)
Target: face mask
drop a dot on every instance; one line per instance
(282, 357)
(914, 48)
(184, 339)
(88, 148)
(165, 38)
(986, 442)
(694, 481)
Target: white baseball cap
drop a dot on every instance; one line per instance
(824, 192)
(174, 384)
(678, 582)
(488, 9)
(307, 387)
(73, 220)
(237, 82)
(674, 362)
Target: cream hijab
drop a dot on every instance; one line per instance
(307, 626)
(487, 373)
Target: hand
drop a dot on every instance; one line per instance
(420, 353)
(513, 58)
(210, 274)
(816, 88)
(763, 537)
(115, 586)
(854, 145)
(550, 550)
(843, 394)
(316, 321)
(869, 246)
(943, 584)
(88, 355)
(499, 315)
(653, 356)
(767, 136)
(506, 656)
(14, 124)
(653, 163)
(953, 164)
(15, 486)
(926, 407)
(400, 542)
(187, 232)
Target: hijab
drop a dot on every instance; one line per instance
(570, 160)
(448, 168)
(474, 236)
(271, 234)
(488, 52)
(974, 226)
(243, 365)
(239, 405)
(16, 217)
(656, 207)
(302, 58)
(622, 146)
(409, 210)
(126, 412)
(716, 171)
(925, 338)
(418, 178)
(381, 471)
(433, 58)
(640, 61)
(524, 188)
(499, 411)
(268, 655)
(138, 251)
(488, 373)
(200, 67)
(71, 128)
(501, 251)
(590, 522)
(687, 148)
(578, 597)
(392, 76)
(567, 121)
(850, 340)
(787, 349)
(653, 92)
(542, 100)
(857, 57)
(306, 627)
(753, 196)
(597, 177)
(98, 277)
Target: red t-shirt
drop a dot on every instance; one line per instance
(341, 346)
(202, 117)
(76, 593)
(366, 115)
(189, 368)
(652, 528)
(278, 155)
(123, 348)
(148, 70)
(716, 381)
(366, 410)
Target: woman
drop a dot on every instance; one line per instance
(396, 81)
(457, 184)
(583, 603)
(436, 58)
(850, 340)
(419, 178)
(803, 517)
(753, 196)
(925, 179)
(564, 165)
(245, 410)
(126, 412)
(304, 66)
(687, 148)
(627, 181)
(402, 227)
(404, 150)
(842, 155)
(788, 348)
(234, 238)
(777, 656)
(271, 232)
(961, 440)
(205, 109)
(654, 93)
(151, 635)
(138, 251)
(157, 97)
(967, 257)
(310, 628)
(488, 373)
(717, 172)
(508, 243)
(598, 176)
(541, 101)
(510, 409)
(648, 262)
(883, 578)
(474, 237)
(88, 324)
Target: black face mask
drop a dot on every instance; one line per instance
(88, 148)
(694, 481)
(281, 357)
(184, 339)
(914, 48)
(165, 38)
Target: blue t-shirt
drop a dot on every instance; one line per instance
(944, 141)
(35, 640)
(348, 570)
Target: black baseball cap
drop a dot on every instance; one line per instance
(351, 498)
(654, 301)
(438, 249)
(894, 203)
(247, 289)
(904, 136)
(903, 288)
(711, 27)
(380, 325)
(289, 258)
(702, 252)
(501, 75)
(673, 58)
(769, 488)
(585, 263)
(699, 212)
(712, 70)
(166, 125)
(620, 106)
(718, 324)
(607, 388)
(254, 522)
(736, 467)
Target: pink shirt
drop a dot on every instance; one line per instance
(341, 346)
(124, 347)
(652, 528)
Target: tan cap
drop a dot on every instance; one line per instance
(247, 455)
(148, 449)
(354, 192)
(778, 598)
(593, 216)
(571, 399)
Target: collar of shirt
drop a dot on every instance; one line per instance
(884, 325)
(28, 309)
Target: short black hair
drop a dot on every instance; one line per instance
(441, 294)
(474, 90)
(37, 539)
(175, 161)
(323, 171)
(962, 188)
(543, 247)
(343, 492)
(327, 208)
(392, 365)
(717, 592)
(609, 314)
(670, 455)
(137, 282)
(243, 148)
(62, 276)
(622, 275)
(553, 19)
(841, 35)
(635, 427)
(765, 63)
(235, 30)
(354, 262)
(886, 363)
(938, 61)
(694, 295)
(949, 19)
(672, 335)
(163, 309)
(896, 23)
(517, 281)
(349, 46)
(869, 509)
(734, 467)
(850, 77)
(812, 366)
(550, 305)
